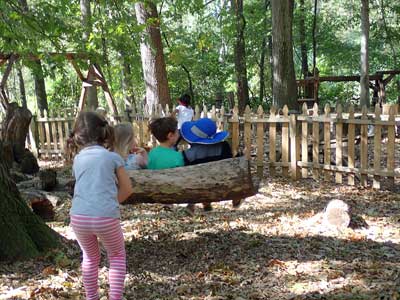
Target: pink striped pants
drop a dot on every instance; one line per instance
(108, 230)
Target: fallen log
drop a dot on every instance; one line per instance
(228, 179)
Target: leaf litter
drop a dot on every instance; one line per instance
(275, 246)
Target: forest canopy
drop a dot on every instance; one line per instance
(198, 47)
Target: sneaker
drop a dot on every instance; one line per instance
(237, 203)
(207, 207)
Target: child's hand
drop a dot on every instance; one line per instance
(137, 150)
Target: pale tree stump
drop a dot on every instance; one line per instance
(337, 215)
(228, 179)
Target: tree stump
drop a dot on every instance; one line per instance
(48, 179)
(337, 214)
(228, 179)
(29, 164)
(39, 203)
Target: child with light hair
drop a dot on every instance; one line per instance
(124, 144)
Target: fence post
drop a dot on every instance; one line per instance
(391, 146)
(351, 134)
(339, 143)
(294, 169)
(364, 147)
(247, 132)
(327, 141)
(304, 142)
(272, 140)
(285, 142)
(315, 142)
(235, 131)
(260, 142)
(33, 136)
(376, 184)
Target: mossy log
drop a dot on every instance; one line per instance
(228, 179)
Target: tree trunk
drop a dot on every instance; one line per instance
(129, 96)
(15, 129)
(40, 88)
(240, 56)
(284, 83)
(303, 44)
(228, 179)
(364, 79)
(22, 87)
(263, 53)
(152, 55)
(22, 233)
(92, 101)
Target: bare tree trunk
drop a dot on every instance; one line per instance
(129, 97)
(151, 49)
(364, 76)
(389, 40)
(22, 233)
(314, 38)
(240, 56)
(303, 44)
(92, 101)
(22, 87)
(284, 82)
(263, 53)
(38, 77)
(40, 88)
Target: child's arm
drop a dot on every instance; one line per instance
(124, 185)
(141, 156)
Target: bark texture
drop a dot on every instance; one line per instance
(364, 79)
(228, 179)
(22, 233)
(152, 55)
(284, 80)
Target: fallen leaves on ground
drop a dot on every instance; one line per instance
(274, 246)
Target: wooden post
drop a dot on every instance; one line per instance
(391, 147)
(351, 133)
(54, 135)
(327, 141)
(235, 131)
(285, 142)
(304, 142)
(315, 142)
(364, 147)
(33, 136)
(376, 184)
(247, 132)
(260, 142)
(294, 169)
(339, 143)
(48, 138)
(272, 140)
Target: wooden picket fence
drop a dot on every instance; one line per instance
(329, 145)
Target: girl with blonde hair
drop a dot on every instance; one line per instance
(124, 144)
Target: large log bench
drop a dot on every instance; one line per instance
(228, 179)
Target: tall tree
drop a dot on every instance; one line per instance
(303, 45)
(263, 53)
(21, 86)
(284, 80)
(240, 56)
(152, 55)
(22, 233)
(364, 76)
(92, 101)
(38, 75)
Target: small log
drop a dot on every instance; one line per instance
(337, 214)
(48, 179)
(228, 179)
(40, 204)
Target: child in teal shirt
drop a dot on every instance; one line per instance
(164, 156)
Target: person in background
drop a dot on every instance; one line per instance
(124, 144)
(206, 145)
(183, 113)
(101, 184)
